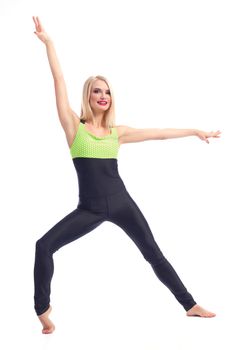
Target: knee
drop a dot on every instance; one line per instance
(154, 256)
(42, 246)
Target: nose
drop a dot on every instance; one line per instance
(105, 94)
(103, 97)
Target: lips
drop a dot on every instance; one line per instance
(103, 103)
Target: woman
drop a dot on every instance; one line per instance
(94, 140)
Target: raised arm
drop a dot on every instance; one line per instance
(128, 134)
(67, 116)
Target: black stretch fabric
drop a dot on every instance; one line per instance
(102, 197)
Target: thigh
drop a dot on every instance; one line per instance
(125, 213)
(71, 227)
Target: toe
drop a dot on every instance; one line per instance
(47, 331)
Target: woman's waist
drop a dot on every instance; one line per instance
(103, 186)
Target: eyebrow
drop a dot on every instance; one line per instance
(100, 89)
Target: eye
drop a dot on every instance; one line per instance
(98, 90)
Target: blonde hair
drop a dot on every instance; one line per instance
(86, 111)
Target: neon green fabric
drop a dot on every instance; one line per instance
(88, 145)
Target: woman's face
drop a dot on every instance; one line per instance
(100, 98)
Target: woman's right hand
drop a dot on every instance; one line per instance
(40, 32)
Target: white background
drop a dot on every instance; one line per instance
(171, 65)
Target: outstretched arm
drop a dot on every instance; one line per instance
(128, 134)
(66, 115)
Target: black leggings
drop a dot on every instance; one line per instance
(120, 209)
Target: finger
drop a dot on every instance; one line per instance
(34, 20)
(36, 24)
(217, 134)
(40, 24)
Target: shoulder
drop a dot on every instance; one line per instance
(124, 133)
(120, 129)
(128, 134)
(125, 129)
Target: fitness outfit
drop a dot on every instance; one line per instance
(102, 197)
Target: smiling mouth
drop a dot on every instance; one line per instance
(102, 103)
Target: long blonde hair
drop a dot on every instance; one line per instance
(86, 111)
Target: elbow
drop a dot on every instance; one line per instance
(160, 137)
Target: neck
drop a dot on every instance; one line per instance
(97, 121)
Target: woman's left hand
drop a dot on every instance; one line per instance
(203, 135)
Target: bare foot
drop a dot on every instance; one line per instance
(48, 326)
(197, 310)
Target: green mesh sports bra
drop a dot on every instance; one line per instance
(87, 145)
